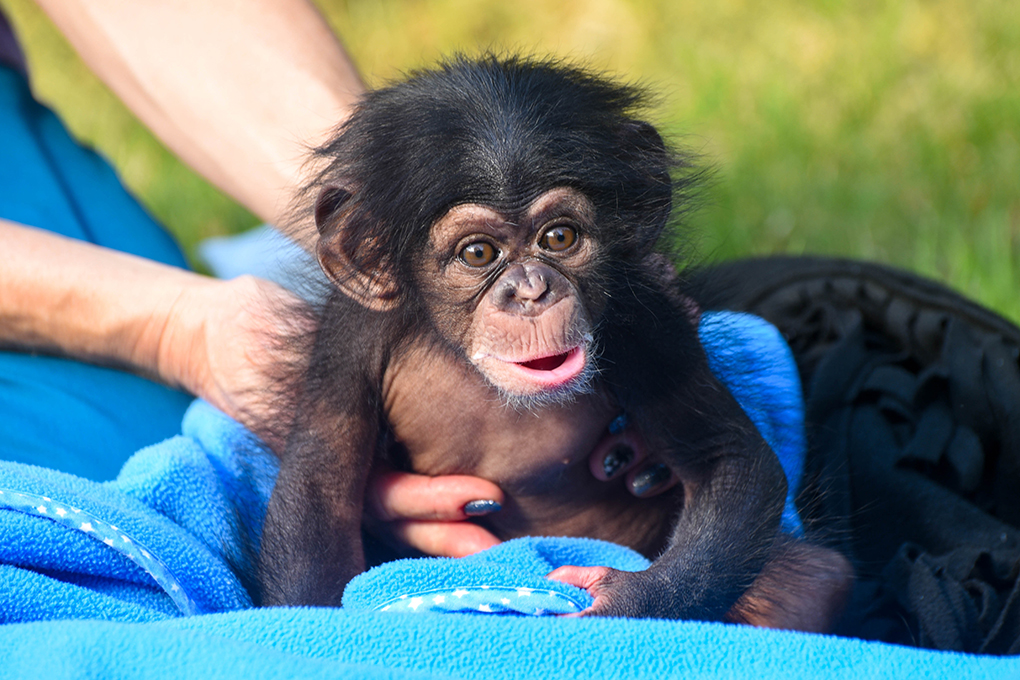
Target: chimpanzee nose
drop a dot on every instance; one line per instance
(529, 287)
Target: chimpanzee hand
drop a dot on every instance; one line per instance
(622, 451)
(803, 587)
(616, 593)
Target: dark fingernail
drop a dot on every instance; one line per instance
(650, 479)
(478, 508)
(616, 460)
(619, 424)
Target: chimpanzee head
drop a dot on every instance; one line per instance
(501, 199)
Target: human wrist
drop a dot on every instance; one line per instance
(171, 341)
(238, 344)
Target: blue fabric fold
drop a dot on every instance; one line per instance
(751, 358)
(185, 509)
(506, 579)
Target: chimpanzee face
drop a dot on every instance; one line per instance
(511, 290)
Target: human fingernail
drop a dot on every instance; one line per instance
(619, 424)
(649, 479)
(478, 508)
(616, 460)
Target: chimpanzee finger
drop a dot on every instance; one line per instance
(590, 579)
(634, 594)
(400, 496)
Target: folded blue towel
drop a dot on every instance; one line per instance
(506, 579)
(168, 536)
(174, 531)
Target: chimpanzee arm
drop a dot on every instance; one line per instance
(733, 484)
(720, 542)
(311, 541)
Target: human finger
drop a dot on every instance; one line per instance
(398, 496)
(443, 539)
(615, 454)
(625, 453)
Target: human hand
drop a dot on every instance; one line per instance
(429, 513)
(622, 451)
(242, 345)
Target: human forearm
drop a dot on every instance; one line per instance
(77, 299)
(239, 90)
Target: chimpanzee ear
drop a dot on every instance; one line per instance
(653, 158)
(327, 206)
(376, 290)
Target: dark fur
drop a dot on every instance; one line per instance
(499, 132)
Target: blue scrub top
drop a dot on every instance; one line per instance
(54, 412)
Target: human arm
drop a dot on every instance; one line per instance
(76, 299)
(239, 90)
(209, 337)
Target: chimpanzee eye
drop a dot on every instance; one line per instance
(478, 254)
(558, 238)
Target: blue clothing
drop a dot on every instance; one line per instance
(54, 412)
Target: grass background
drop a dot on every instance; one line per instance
(887, 130)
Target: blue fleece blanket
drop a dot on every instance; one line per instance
(139, 577)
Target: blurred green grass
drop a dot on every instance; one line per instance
(882, 130)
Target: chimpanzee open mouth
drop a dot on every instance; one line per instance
(545, 363)
(557, 368)
(547, 381)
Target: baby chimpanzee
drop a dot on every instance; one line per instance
(492, 229)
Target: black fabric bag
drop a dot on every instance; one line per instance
(913, 421)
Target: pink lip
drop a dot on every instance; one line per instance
(552, 371)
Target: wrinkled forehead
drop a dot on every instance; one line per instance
(550, 204)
